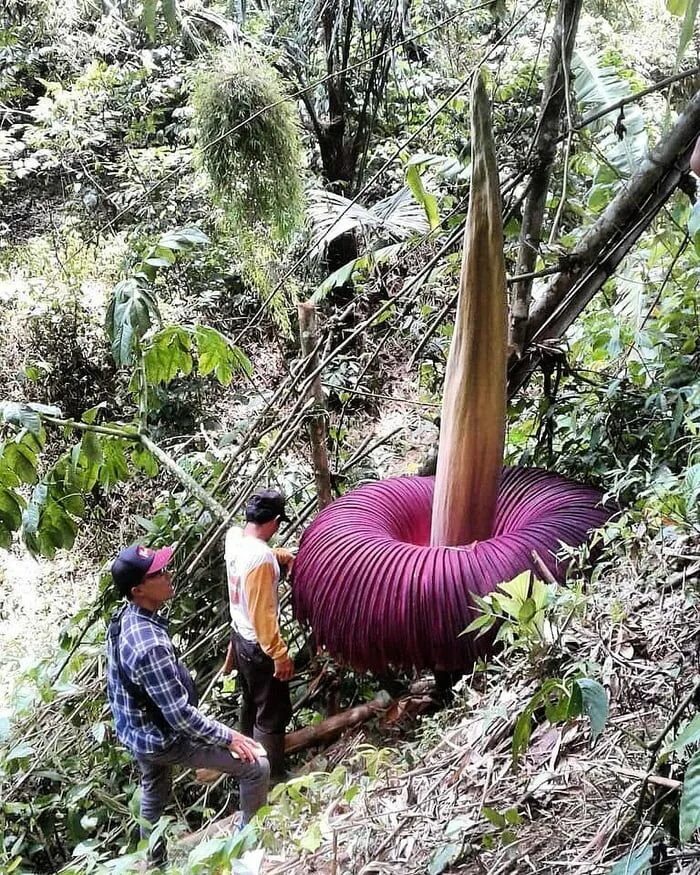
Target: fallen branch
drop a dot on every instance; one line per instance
(331, 728)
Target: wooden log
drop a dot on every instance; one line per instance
(331, 728)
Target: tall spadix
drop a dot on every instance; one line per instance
(472, 433)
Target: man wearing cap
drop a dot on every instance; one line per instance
(257, 648)
(154, 701)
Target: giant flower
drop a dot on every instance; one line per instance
(385, 575)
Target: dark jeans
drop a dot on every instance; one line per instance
(265, 703)
(157, 771)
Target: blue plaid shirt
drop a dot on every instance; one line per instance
(148, 660)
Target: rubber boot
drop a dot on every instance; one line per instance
(274, 747)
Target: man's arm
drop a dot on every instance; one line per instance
(158, 675)
(260, 585)
(284, 557)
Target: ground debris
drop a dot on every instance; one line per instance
(569, 806)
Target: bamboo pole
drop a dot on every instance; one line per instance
(318, 435)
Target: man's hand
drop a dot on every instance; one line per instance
(230, 661)
(245, 748)
(284, 669)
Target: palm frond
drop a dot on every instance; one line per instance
(621, 135)
(332, 215)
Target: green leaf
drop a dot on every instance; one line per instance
(91, 448)
(11, 506)
(595, 704)
(689, 812)
(182, 238)
(145, 461)
(527, 610)
(131, 312)
(521, 734)
(691, 13)
(148, 18)
(677, 7)
(90, 415)
(170, 14)
(168, 354)
(518, 588)
(312, 838)
(22, 460)
(114, 467)
(690, 734)
(494, 817)
(19, 752)
(636, 862)
(443, 858)
(216, 353)
(74, 504)
(425, 199)
(483, 622)
(24, 415)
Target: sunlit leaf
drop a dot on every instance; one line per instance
(689, 811)
(595, 704)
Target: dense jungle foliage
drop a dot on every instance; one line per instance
(176, 176)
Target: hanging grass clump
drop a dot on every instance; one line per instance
(252, 158)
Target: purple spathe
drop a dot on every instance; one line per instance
(377, 594)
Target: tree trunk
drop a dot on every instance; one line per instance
(610, 238)
(317, 421)
(544, 149)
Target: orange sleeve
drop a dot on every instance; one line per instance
(262, 609)
(283, 556)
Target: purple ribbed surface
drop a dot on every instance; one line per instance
(377, 594)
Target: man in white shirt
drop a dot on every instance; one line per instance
(257, 648)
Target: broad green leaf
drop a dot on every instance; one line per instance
(519, 587)
(691, 14)
(183, 238)
(690, 734)
(131, 312)
(340, 277)
(576, 704)
(22, 461)
(145, 461)
(167, 355)
(91, 415)
(114, 467)
(91, 448)
(694, 220)
(689, 812)
(595, 704)
(216, 353)
(636, 862)
(5, 536)
(677, 7)
(312, 838)
(74, 504)
(425, 199)
(11, 505)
